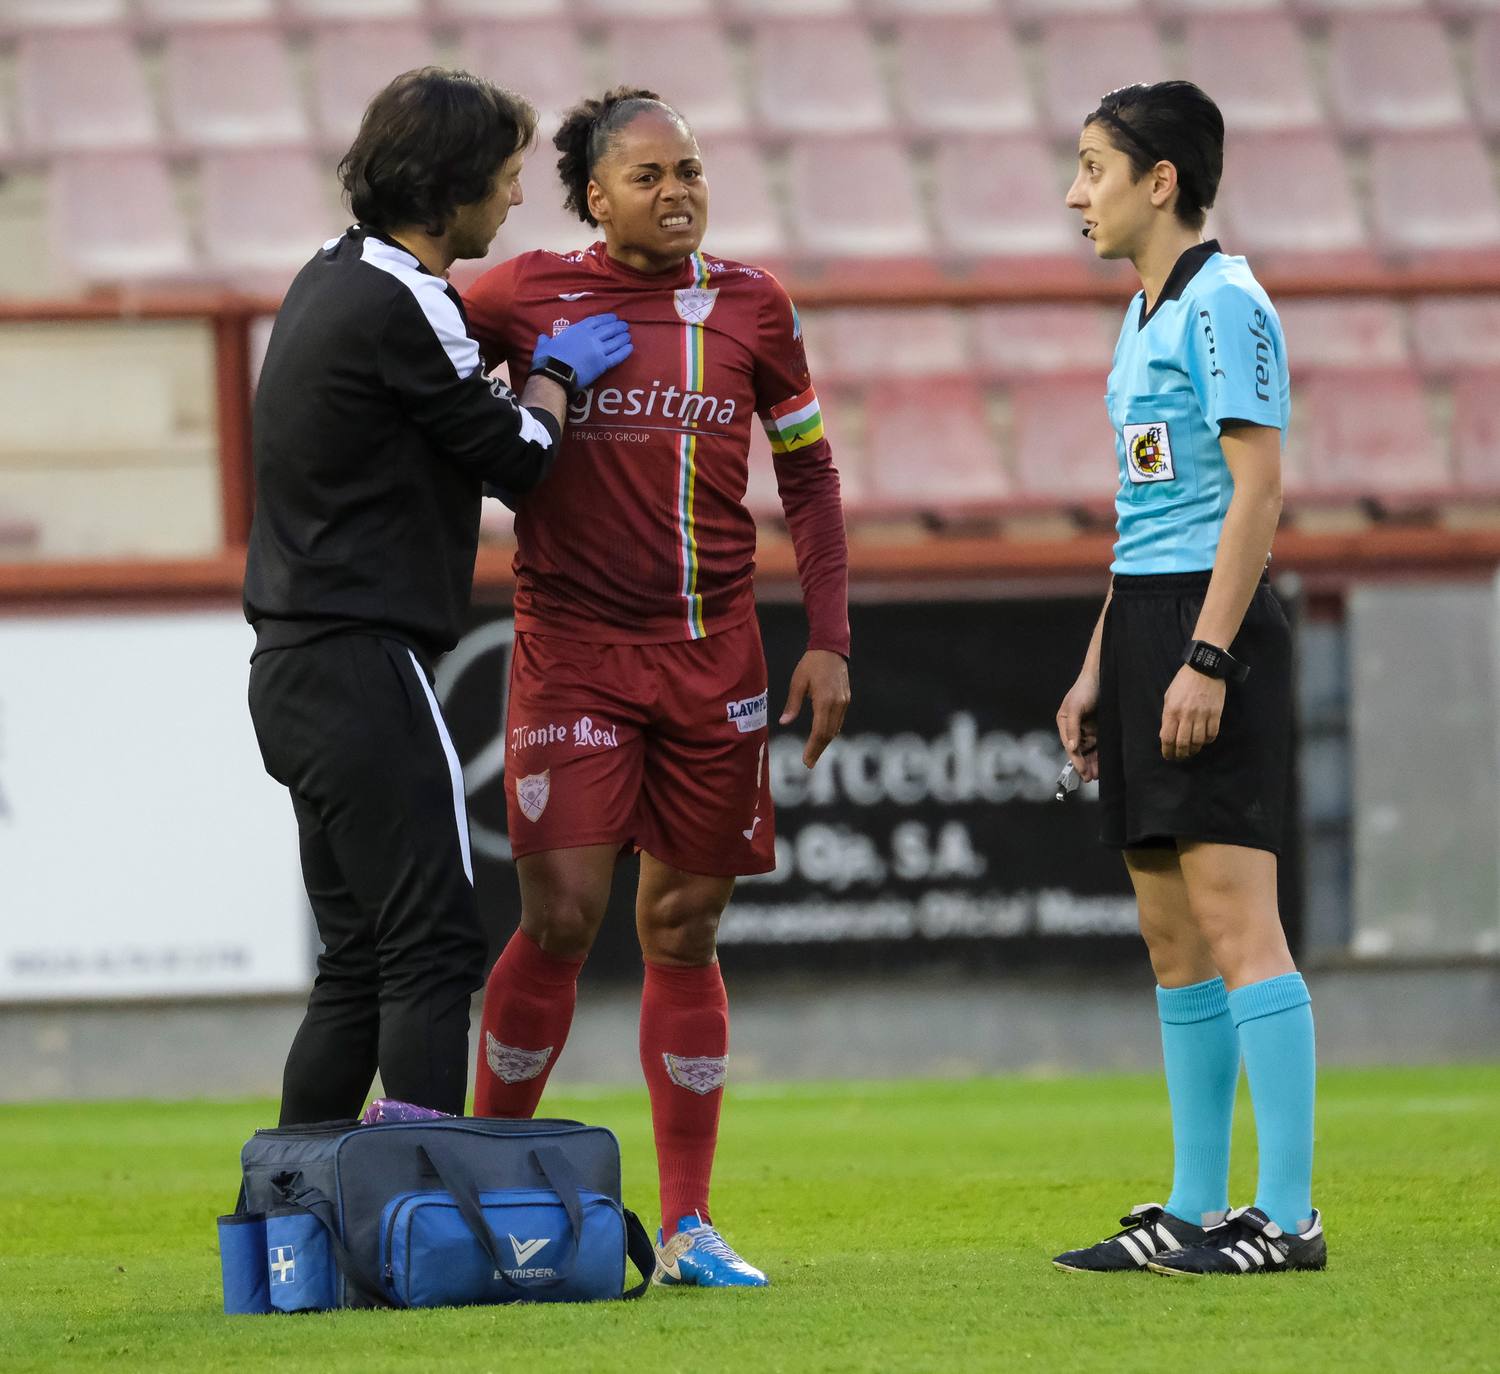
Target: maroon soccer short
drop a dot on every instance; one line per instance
(660, 746)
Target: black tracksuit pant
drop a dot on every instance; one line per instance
(350, 725)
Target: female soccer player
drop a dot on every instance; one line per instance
(1183, 707)
(638, 697)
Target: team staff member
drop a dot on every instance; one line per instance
(374, 432)
(638, 700)
(1183, 708)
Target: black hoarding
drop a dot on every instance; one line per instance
(928, 832)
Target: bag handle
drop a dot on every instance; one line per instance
(306, 1198)
(641, 1251)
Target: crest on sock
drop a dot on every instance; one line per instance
(512, 1065)
(700, 1075)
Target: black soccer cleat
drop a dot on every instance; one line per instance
(1149, 1232)
(1249, 1243)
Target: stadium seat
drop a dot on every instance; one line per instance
(867, 345)
(162, 13)
(929, 447)
(1029, 11)
(1256, 67)
(1023, 340)
(744, 214)
(1392, 71)
(1330, 332)
(113, 217)
(232, 88)
(1003, 195)
(1061, 442)
(897, 9)
(854, 196)
(1288, 193)
(648, 53)
(540, 222)
(350, 63)
(82, 91)
(1086, 57)
(817, 76)
(353, 9)
(1367, 435)
(1476, 432)
(1484, 47)
(59, 14)
(542, 57)
(1454, 333)
(795, 9)
(647, 9)
(1188, 9)
(265, 212)
(1433, 193)
(962, 75)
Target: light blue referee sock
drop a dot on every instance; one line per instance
(1275, 1022)
(1201, 1051)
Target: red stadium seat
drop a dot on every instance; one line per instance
(1454, 333)
(543, 58)
(961, 75)
(1289, 193)
(795, 9)
(1188, 9)
(648, 53)
(1087, 57)
(1367, 435)
(81, 91)
(1255, 65)
(648, 9)
(930, 448)
(172, 12)
(1433, 193)
(1062, 445)
(485, 9)
(1393, 71)
(1485, 48)
(854, 197)
(113, 217)
(353, 9)
(744, 215)
(1003, 195)
(231, 88)
(1031, 10)
(1476, 432)
(817, 76)
(539, 223)
(265, 213)
(898, 9)
(350, 63)
(59, 14)
(1323, 333)
(863, 345)
(1012, 341)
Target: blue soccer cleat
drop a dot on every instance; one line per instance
(698, 1255)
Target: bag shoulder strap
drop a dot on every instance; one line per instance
(304, 1197)
(641, 1251)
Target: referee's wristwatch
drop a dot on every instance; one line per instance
(564, 374)
(1212, 661)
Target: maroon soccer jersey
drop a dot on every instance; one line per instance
(640, 534)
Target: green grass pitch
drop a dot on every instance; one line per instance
(906, 1227)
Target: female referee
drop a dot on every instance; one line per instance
(638, 697)
(1183, 708)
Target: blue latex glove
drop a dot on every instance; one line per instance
(591, 347)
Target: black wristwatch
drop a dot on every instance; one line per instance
(1212, 661)
(554, 369)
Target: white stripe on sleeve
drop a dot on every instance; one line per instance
(432, 295)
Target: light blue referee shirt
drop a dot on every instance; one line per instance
(1210, 351)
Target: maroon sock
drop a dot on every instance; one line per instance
(684, 1051)
(528, 1007)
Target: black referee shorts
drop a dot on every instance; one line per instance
(1235, 790)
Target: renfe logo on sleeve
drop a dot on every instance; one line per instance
(1148, 449)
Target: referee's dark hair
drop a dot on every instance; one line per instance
(434, 139)
(1169, 121)
(587, 132)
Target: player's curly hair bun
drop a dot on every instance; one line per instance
(585, 136)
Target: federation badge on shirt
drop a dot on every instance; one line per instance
(1148, 451)
(694, 303)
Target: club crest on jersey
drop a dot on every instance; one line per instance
(694, 304)
(702, 1075)
(512, 1065)
(532, 793)
(1148, 452)
(558, 326)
